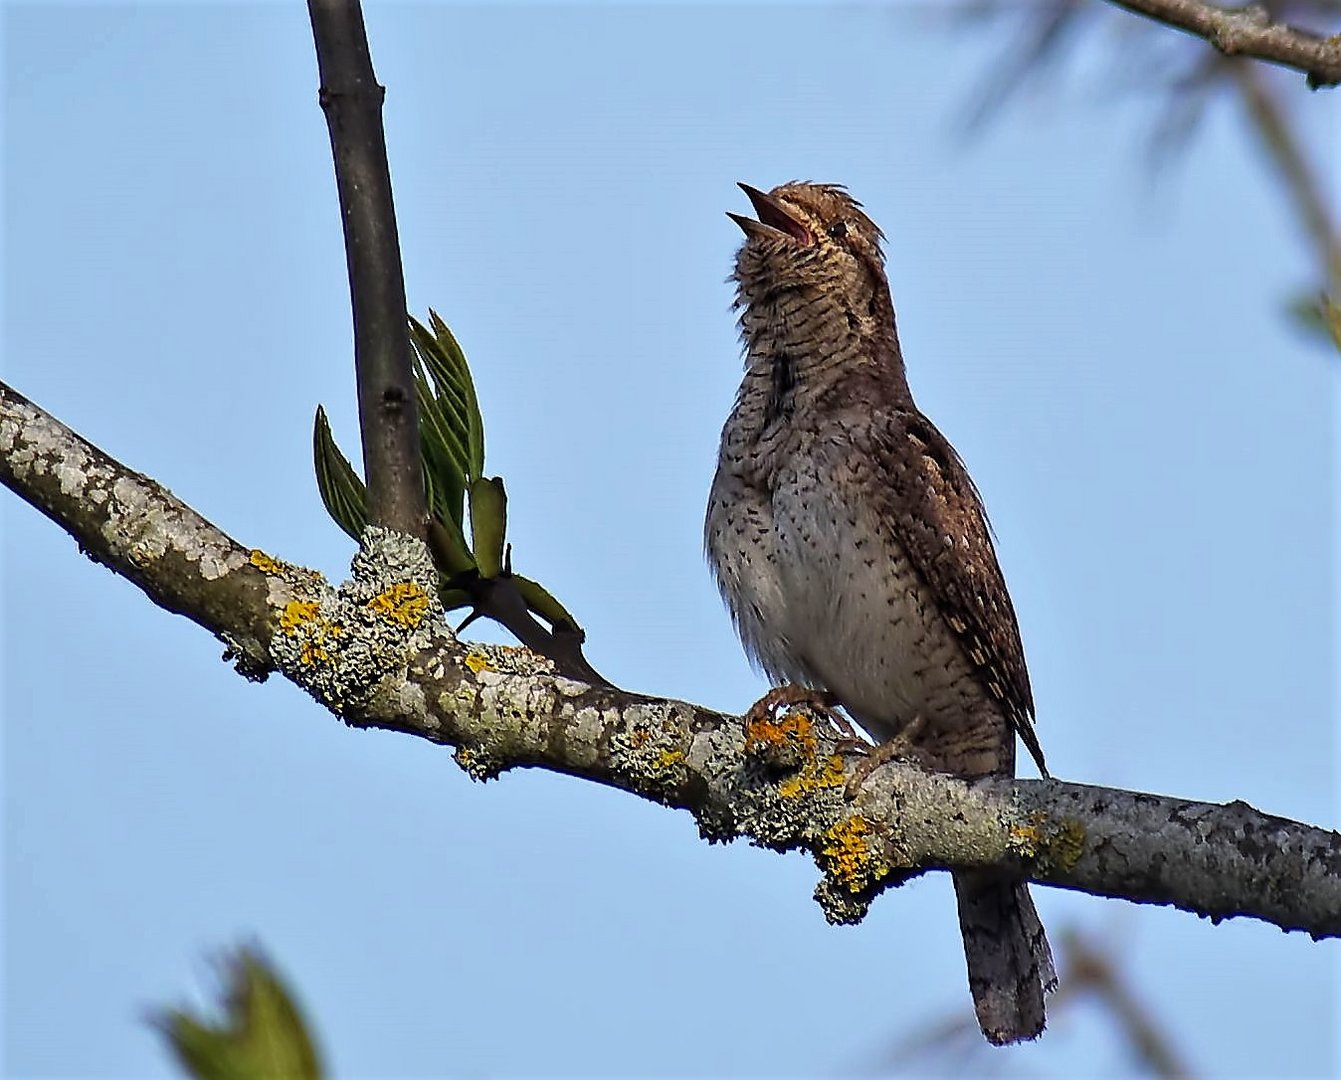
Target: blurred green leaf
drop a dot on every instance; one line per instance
(1332, 314)
(1317, 315)
(261, 1033)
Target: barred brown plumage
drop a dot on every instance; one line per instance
(853, 549)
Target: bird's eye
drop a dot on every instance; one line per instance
(838, 230)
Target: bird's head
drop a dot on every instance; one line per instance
(808, 235)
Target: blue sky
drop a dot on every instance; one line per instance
(1155, 445)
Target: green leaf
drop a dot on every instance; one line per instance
(450, 554)
(260, 1034)
(542, 602)
(453, 598)
(443, 460)
(488, 524)
(449, 365)
(447, 388)
(342, 491)
(451, 442)
(444, 387)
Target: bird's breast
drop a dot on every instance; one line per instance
(858, 617)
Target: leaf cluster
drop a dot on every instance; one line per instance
(458, 494)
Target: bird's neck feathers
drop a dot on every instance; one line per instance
(802, 342)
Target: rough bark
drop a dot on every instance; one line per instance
(1249, 31)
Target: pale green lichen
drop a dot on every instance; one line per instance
(1048, 842)
(343, 644)
(651, 753)
(512, 711)
(477, 763)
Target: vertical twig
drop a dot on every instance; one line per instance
(1093, 969)
(1307, 193)
(388, 407)
(388, 412)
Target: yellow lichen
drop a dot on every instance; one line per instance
(1067, 843)
(847, 855)
(302, 617)
(1060, 842)
(313, 653)
(404, 603)
(478, 662)
(267, 564)
(297, 612)
(668, 759)
(1026, 837)
(814, 775)
(792, 731)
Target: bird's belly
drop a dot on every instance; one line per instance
(860, 620)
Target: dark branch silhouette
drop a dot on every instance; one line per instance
(388, 414)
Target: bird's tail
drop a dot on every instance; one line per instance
(1009, 962)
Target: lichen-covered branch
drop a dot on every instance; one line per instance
(376, 652)
(1249, 31)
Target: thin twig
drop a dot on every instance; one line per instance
(388, 411)
(1283, 145)
(1090, 968)
(1249, 31)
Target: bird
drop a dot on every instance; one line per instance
(853, 549)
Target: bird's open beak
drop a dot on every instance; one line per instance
(774, 219)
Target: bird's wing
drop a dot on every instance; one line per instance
(942, 525)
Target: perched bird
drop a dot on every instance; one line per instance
(853, 550)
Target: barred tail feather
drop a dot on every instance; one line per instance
(1009, 962)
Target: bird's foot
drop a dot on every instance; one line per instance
(820, 702)
(900, 746)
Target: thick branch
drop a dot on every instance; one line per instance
(377, 653)
(1249, 31)
(388, 412)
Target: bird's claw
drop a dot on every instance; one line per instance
(901, 745)
(820, 702)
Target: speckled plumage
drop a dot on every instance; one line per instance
(853, 550)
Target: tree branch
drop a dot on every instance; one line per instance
(1249, 31)
(388, 410)
(377, 653)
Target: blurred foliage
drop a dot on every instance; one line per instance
(260, 1034)
(1092, 976)
(1182, 77)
